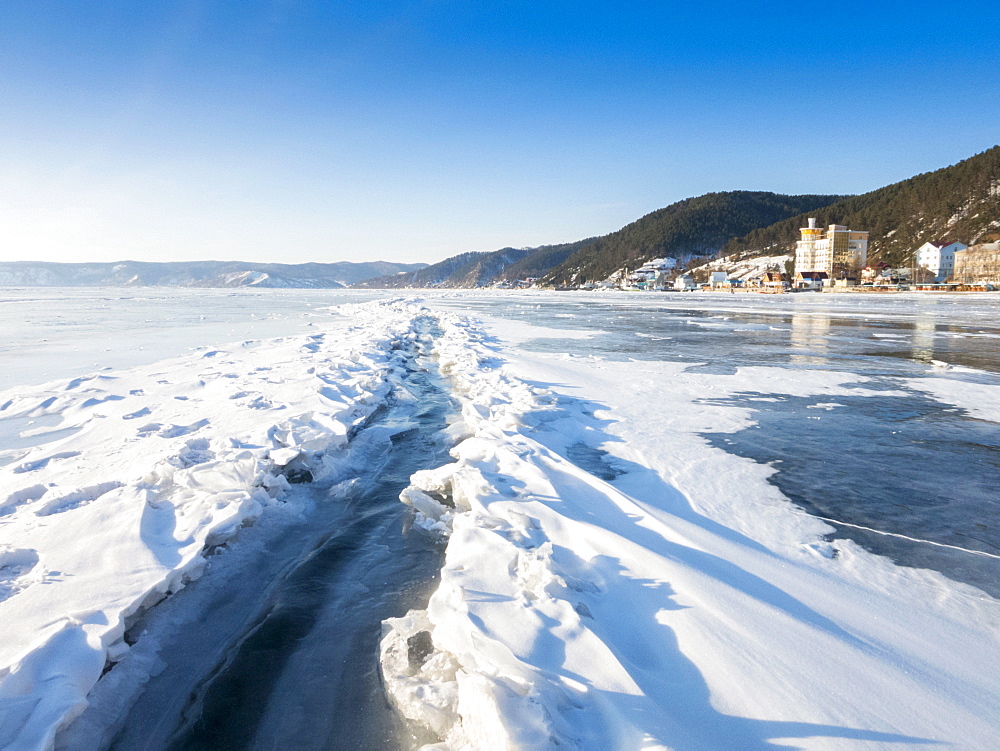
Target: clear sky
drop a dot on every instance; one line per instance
(296, 131)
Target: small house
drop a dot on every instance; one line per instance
(685, 282)
(774, 279)
(810, 279)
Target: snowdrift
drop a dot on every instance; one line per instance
(135, 478)
(680, 601)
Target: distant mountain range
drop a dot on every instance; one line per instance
(196, 274)
(960, 202)
(481, 269)
(690, 228)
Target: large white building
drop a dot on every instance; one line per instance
(939, 258)
(980, 263)
(836, 250)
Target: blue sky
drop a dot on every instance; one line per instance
(299, 131)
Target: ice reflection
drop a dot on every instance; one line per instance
(809, 339)
(924, 331)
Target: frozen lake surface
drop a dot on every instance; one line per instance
(877, 414)
(903, 463)
(48, 333)
(926, 469)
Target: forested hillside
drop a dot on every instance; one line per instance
(482, 269)
(475, 269)
(692, 227)
(542, 260)
(961, 202)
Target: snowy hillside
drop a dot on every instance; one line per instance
(744, 268)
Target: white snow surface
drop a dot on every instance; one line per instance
(981, 400)
(133, 474)
(686, 604)
(682, 603)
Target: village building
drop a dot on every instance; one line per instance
(938, 257)
(899, 274)
(717, 279)
(773, 281)
(661, 282)
(770, 280)
(978, 264)
(652, 275)
(810, 279)
(837, 250)
(685, 282)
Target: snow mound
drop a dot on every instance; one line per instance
(120, 512)
(581, 612)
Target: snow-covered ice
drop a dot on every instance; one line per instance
(153, 466)
(612, 579)
(684, 604)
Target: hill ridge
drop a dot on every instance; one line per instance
(958, 202)
(692, 227)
